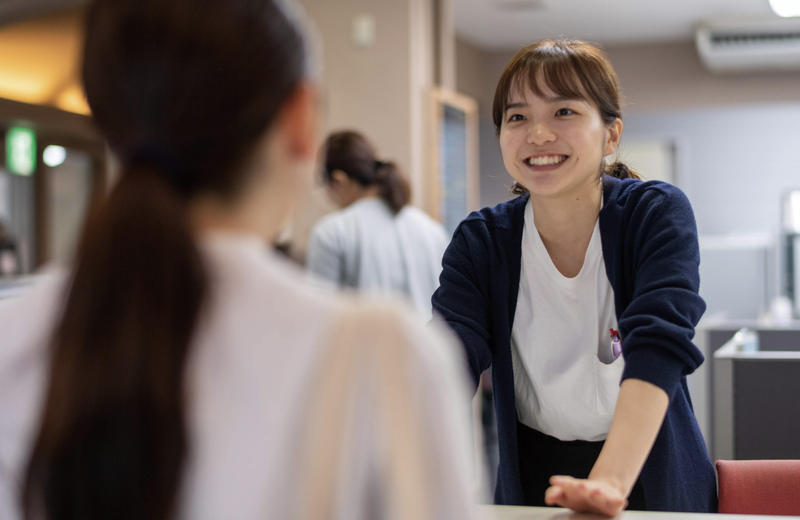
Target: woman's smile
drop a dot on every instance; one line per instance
(545, 162)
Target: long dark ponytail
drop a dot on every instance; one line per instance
(183, 90)
(351, 153)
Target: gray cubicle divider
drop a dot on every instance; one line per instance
(756, 403)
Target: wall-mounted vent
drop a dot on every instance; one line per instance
(752, 46)
(754, 39)
(519, 5)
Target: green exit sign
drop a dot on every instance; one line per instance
(21, 151)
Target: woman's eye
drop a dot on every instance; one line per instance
(515, 117)
(564, 112)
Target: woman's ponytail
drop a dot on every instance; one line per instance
(620, 170)
(394, 187)
(184, 91)
(114, 418)
(351, 153)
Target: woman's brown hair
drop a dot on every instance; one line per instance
(351, 153)
(568, 68)
(183, 90)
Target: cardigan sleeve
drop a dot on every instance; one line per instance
(657, 326)
(463, 303)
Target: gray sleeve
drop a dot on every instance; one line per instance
(325, 258)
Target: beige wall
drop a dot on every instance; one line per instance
(367, 89)
(471, 67)
(445, 30)
(477, 72)
(423, 49)
(666, 76)
(670, 76)
(379, 91)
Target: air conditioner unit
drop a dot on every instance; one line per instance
(519, 5)
(749, 46)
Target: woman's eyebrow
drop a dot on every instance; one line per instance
(554, 99)
(518, 104)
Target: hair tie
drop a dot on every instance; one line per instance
(380, 169)
(154, 155)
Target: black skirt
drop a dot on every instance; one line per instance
(542, 456)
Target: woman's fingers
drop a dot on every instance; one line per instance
(607, 505)
(584, 496)
(606, 500)
(562, 480)
(567, 492)
(553, 495)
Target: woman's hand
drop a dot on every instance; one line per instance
(640, 410)
(585, 496)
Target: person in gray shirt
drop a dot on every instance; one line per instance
(377, 242)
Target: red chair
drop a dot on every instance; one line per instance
(759, 487)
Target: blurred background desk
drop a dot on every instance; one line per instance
(712, 387)
(755, 396)
(547, 513)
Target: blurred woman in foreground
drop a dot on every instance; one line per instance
(186, 373)
(378, 243)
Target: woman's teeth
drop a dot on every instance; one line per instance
(546, 160)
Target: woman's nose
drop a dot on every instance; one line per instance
(540, 134)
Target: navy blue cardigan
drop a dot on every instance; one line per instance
(651, 253)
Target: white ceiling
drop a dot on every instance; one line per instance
(488, 26)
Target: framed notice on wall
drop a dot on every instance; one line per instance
(454, 184)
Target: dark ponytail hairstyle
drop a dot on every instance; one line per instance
(183, 90)
(569, 68)
(351, 153)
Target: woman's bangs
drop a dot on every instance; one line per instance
(547, 78)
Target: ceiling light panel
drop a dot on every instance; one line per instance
(785, 8)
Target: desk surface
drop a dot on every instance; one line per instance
(549, 513)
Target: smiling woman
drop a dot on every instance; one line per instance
(572, 96)
(582, 295)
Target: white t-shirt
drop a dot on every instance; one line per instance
(565, 376)
(366, 247)
(258, 350)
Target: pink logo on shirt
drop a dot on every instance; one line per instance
(616, 343)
